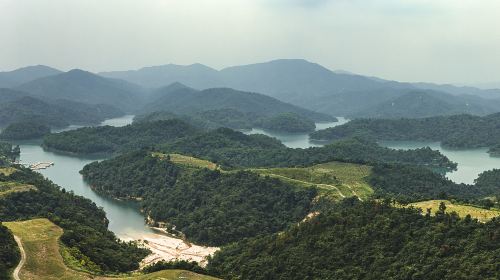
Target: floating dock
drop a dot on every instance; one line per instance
(40, 165)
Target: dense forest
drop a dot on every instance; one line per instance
(108, 139)
(458, 131)
(208, 207)
(406, 183)
(9, 252)
(84, 224)
(231, 118)
(25, 130)
(368, 240)
(7, 153)
(288, 122)
(230, 148)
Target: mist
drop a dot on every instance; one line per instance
(441, 41)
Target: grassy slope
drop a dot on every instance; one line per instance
(462, 210)
(10, 187)
(335, 178)
(338, 180)
(188, 161)
(40, 240)
(7, 171)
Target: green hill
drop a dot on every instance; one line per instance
(367, 240)
(458, 131)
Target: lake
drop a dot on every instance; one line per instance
(125, 219)
(297, 140)
(127, 222)
(471, 162)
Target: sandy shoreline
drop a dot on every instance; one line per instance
(168, 248)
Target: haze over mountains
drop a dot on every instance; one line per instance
(314, 87)
(291, 85)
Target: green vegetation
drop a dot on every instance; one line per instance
(9, 252)
(108, 139)
(188, 161)
(207, 206)
(367, 240)
(337, 179)
(480, 214)
(10, 187)
(288, 122)
(40, 239)
(231, 118)
(84, 224)
(459, 131)
(25, 130)
(410, 183)
(7, 154)
(232, 149)
(6, 171)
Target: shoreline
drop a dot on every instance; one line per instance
(165, 247)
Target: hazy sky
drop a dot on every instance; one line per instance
(408, 40)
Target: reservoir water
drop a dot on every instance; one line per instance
(471, 162)
(125, 219)
(127, 222)
(298, 140)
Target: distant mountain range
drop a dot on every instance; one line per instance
(81, 86)
(317, 88)
(57, 114)
(180, 99)
(26, 74)
(293, 81)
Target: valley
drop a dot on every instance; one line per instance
(249, 140)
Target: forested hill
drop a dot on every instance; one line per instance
(184, 100)
(85, 225)
(368, 240)
(231, 149)
(207, 206)
(108, 139)
(458, 131)
(9, 252)
(53, 113)
(231, 118)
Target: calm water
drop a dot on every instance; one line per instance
(125, 220)
(471, 162)
(298, 140)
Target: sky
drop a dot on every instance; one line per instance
(444, 41)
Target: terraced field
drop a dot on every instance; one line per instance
(337, 179)
(40, 239)
(462, 210)
(10, 187)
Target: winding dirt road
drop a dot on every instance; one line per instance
(23, 258)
